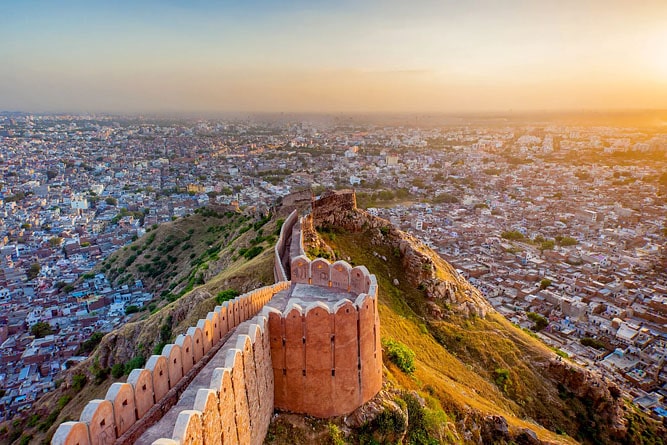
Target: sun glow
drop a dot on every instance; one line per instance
(656, 54)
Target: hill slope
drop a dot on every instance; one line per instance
(490, 381)
(186, 264)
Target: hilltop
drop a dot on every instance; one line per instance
(480, 379)
(455, 370)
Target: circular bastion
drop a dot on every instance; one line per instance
(325, 339)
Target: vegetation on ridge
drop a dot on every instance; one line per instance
(202, 259)
(473, 367)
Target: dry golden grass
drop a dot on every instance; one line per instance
(460, 378)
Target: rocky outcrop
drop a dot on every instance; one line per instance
(338, 210)
(603, 398)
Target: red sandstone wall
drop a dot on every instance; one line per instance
(279, 273)
(326, 360)
(238, 405)
(103, 421)
(321, 360)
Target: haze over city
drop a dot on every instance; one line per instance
(364, 56)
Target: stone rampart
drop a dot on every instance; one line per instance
(237, 405)
(279, 273)
(339, 275)
(326, 355)
(103, 421)
(320, 356)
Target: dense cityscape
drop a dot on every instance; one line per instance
(562, 227)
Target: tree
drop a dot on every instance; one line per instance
(512, 235)
(593, 343)
(566, 241)
(226, 295)
(111, 201)
(41, 329)
(539, 320)
(55, 241)
(547, 245)
(50, 174)
(544, 283)
(34, 270)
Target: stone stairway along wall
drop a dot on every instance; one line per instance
(102, 421)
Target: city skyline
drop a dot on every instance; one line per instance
(368, 56)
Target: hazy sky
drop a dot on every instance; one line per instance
(363, 55)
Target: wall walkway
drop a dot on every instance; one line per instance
(315, 350)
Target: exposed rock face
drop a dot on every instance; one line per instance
(339, 209)
(604, 397)
(370, 410)
(369, 413)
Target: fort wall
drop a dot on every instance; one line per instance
(326, 356)
(321, 357)
(104, 421)
(279, 273)
(237, 405)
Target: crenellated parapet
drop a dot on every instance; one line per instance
(339, 275)
(236, 406)
(102, 421)
(308, 346)
(325, 347)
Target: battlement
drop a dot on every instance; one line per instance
(103, 421)
(237, 404)
(326, 357)
(339, 275)
(308, 346)
(279, 272)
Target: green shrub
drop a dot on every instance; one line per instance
(63, 401)
(134, 363)
(78, 382)
(335, 434)
(512, 235)
(544, 283)
(400, 355)
(226, 295)
(593, 343)
(539, 320)
(33, 420)
(387, 427)
(90, 344)
(279, 225)
(253, 252)
(501, 377)
(117, 370)
(131, 309)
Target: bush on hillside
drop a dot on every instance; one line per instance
(400, 355)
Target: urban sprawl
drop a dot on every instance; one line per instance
(562, 227)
